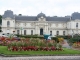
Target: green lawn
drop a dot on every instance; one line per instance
(3, 50)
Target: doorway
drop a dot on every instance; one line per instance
(41, 31)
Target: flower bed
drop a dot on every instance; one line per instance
(34, 44)
(31, 44)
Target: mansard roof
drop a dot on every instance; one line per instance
(34, 18)
(75, 15)
(8, 13)
(57, 18)
(26, 18)
(41, 15)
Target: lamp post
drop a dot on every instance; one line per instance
(21, 30)
(13, 32)
(72, 32)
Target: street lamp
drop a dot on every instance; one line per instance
(13, 32)
(72, 32)
(21, 30)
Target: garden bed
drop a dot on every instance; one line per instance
(5, 52)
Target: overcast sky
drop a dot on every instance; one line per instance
(34, 7)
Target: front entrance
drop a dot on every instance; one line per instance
(41, 31)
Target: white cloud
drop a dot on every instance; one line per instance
(34, 7)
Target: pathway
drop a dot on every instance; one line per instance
(42, 58)
(66, 45)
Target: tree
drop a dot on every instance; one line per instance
(0, 29)
(0, 19)
(0, 23)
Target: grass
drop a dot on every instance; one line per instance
(3, 50)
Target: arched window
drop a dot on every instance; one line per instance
(8, 23)
(57, 33)
(63, 32)
(18, 32)
(24, 32)
(76, 24)
(31, 32)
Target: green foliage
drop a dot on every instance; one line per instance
(30, 36)
(55, 44)
(59, 46)
(0, 19)
(65, 37)
(76, 38)
(3, 49)
(0, 29)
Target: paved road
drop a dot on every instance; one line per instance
(42, 58)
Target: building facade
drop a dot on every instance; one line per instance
(40, 24)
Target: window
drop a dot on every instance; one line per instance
(8, 23)
(57, 33)
(76, 24)
(18, 32)
(50, 33)
(31, 32)
(63, 32)
(24, 32)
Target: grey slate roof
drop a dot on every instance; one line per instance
(57, 19)
(26, 18)
(41, 14)
(75, 15)
(8, 13)
(34, 18)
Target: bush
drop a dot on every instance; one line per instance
(65, 37)
(30, 36)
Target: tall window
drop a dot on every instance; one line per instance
(8, 23)
(63, 32)
(57, 33)
(76, 24)
(31, 32)
(18, 32)
(24, 32)
(50, 33)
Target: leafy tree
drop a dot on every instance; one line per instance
(0, 19)
(0, 29)
(0, 23)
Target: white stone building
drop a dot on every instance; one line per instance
(40, 24)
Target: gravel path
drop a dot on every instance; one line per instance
(66, 45)
(42, 58)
